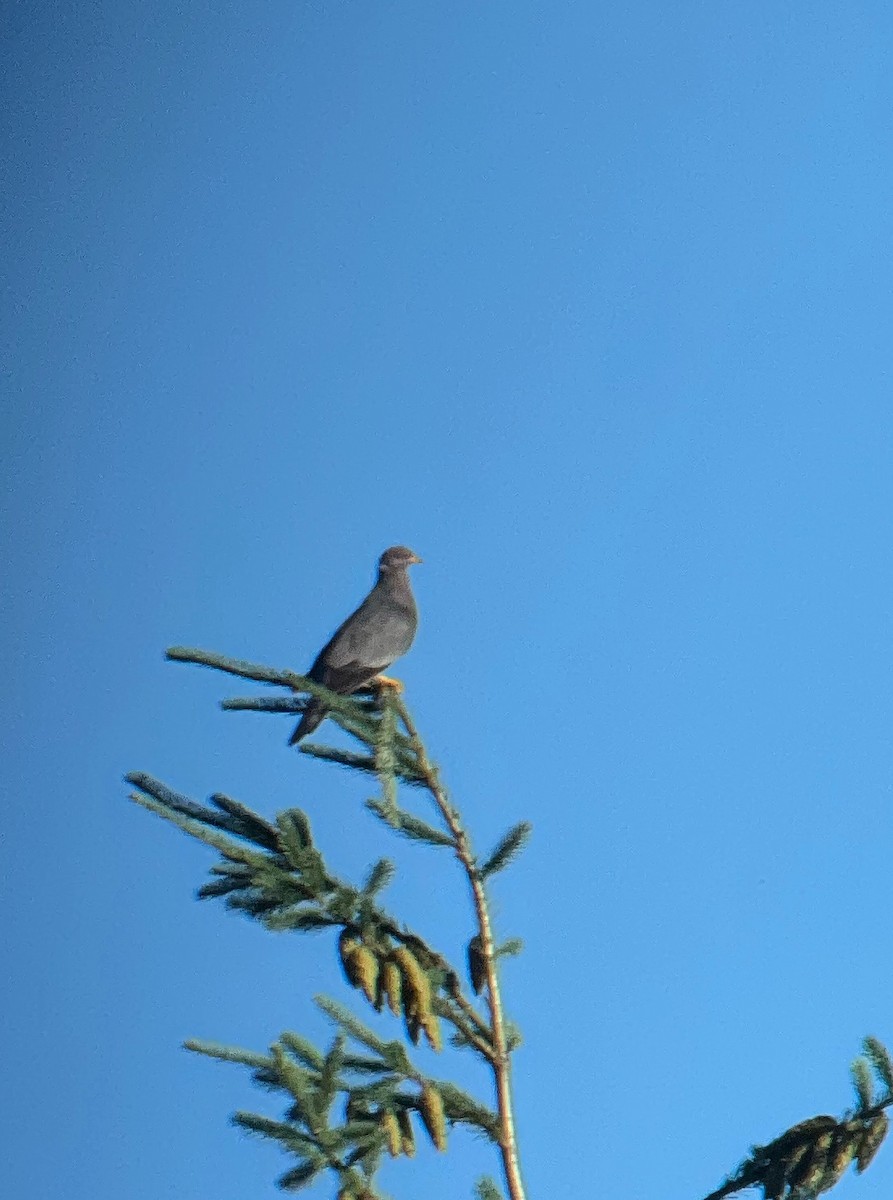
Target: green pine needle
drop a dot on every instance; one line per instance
(231, 1054)
(381, 1093)
(385, 757)
(196, 827)
(410, 826)
(288, 1135)
(295, 1079)
(344, 758)
(462, 1108)
(403, 767)
(298, 1177)
(259, 830)
(219, 887)
(359, 723)
(507, 849)
(303, 1050)
(379, 877)
(255, 902)
(513, 1037)
(303, 920)
(353, 1133)
(351, 1024)
(363, 1065)
(863, 1083)
(291, 837)
(329, 1081)
(880, 1059)
(266, 704)
(510, 948)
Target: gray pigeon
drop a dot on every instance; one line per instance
(380, 631)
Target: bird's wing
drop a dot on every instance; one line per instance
(375, 634)
(350, 677)
(342, 664)
(343, 649)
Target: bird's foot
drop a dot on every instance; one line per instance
(385, 681)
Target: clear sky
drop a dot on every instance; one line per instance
(591, 306)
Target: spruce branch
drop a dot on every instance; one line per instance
(247, 670)
(263, 887)
(350, 713)
(230, 1054)
(196, 828)
(299, 1177)
(462, 1108)
(409, 825)
(812, 1156)
(403, 769)
(308, 1131)
(275, 874)
(290, 1137)
(293, 705)
(341, 758)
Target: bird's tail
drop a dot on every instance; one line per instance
(314, 715)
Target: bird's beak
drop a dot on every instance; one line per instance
(415, 559)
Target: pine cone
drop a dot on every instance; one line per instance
(416, 988)
(433, 1116)
(431, 1026)
(360, 964)
(841, 1154)
(406, 1132)
(871, 1141)
(390, 985)
(391, 1130)
(477, 965)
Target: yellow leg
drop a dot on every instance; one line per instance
(385, 681)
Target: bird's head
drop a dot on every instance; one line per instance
(397, 558)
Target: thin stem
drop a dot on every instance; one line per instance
(500, 1060)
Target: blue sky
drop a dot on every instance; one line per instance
(590, 305)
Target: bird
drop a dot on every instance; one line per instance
(380, 631)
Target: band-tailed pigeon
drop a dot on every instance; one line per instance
(380, 631)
